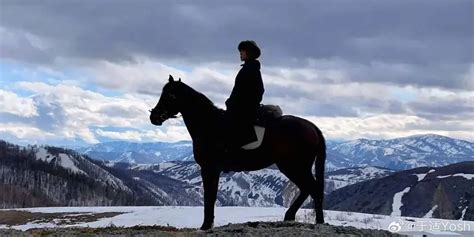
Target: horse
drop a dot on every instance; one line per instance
(292, 143)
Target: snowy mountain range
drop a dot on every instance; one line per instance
(344, 177)
(38, 176)
(440, 192)
(262, 188)
(401, 153)
(397, 154)
(56, 176)
(43, 175)
(139, 153)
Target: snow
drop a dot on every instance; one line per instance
(330, 166)
(243, 188)
(110, 163)
(191, 217)
(397, 202)
(369, 170)
(355, 175)
(444, 176)
(388, 151)
(463, 213)
(142, 166)
(422, 176)
(155, 189)
(67, 163)
(63, 160)
(43, 154)
(166, 165)
(429, 214)
(114, 181)
(127, 155)
(466, 176)
(182, 145)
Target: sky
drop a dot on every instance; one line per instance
(82, 72)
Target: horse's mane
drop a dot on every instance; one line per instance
(198, 96)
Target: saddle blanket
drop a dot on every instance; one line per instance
(260, 131)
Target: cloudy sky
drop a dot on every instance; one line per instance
(82, 72)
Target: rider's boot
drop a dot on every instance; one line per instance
(230, 159)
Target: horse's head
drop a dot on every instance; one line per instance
(169, 105)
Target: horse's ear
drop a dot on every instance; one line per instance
(171, 79)
(180, 79)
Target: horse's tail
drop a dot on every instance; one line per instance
(319, 164)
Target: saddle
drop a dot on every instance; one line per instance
(265, 115)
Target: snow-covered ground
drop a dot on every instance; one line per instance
(397, 202)
(64, 160)
(466, 176)
(192, 217)
(422, 176)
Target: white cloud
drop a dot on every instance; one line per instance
(320, 88)
(24, 131)
(344, 108)
(84, 109)
(13, 104)
(171, 134)
(417, 71)
(128, 135)
(143, 76)
(386, 126)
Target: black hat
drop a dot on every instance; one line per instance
(253, 51)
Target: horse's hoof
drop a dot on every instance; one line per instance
(289, 218)
(206, 226)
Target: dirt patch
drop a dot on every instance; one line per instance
(10, 218)
(245, 229)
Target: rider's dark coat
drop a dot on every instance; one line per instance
(243, 102)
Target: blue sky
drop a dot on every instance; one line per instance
(366, 69)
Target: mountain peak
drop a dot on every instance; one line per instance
(429, 136)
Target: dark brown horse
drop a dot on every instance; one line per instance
(292, 143)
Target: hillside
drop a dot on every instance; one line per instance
(396, 154)
(60, 177)
(262, 188)
(440, 192)
(51, 176)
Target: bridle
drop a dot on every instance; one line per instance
(165, 114)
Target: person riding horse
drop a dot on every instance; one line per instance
(292, 143)
(244, 100)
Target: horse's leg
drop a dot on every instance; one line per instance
(210, 180)
(319, 164)
(290, 214)
(305, 181)
(318, 198)
(314, 188)
(295, 175)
